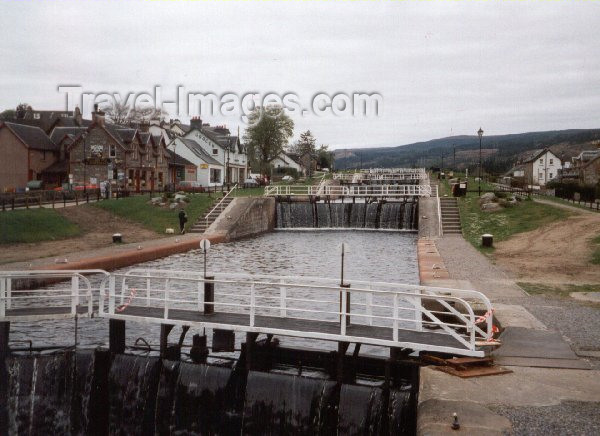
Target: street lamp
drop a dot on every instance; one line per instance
(480, 133)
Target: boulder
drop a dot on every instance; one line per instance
(155, 200)
(487, 197)
(491, 207)
(180, 197)
(173, 206)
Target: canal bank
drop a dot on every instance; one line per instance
(539, 386)
(244, 217)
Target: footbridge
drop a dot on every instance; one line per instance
(399, 316)
(381, 191)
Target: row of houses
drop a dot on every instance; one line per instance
(541, 166)
(58, 147)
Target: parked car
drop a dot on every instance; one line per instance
(251, 183)
(287, 178)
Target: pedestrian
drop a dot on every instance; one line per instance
(182, 220)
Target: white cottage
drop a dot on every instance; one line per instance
(209, 172)
(540, 167)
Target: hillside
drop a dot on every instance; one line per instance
(498, 152)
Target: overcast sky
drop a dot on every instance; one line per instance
(442, 67)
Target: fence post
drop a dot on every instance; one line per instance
(343, 311)
(8, 291)
(345, 302)
(74, 294)
(111, 295)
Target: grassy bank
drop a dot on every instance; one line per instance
(138, 209)
(596, 250)
(35, 225)
(556, 291)
(525, 216)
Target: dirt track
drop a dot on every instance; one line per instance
(97, 225)
(557, 253)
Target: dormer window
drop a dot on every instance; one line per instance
(36, 116)
(215, 151)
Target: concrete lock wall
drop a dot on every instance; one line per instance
(244, 217)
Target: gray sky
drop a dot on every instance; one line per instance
(442, 67)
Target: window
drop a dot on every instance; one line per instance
(541, 176)
(215, 151)
(112, 151)
(215, 175)
(550, 175)
(36, 116)
(541, 161)
(551, 162)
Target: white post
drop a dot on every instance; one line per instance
(9, 293)
(418, 303)
(123, 287)
(369, 307)
(282, 300)
(395, 332)
(2, 297)
(252, 304)
(343, 311)
(167, 298)
(111, 295)
(74, 294)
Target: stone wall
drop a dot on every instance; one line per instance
(244, 217)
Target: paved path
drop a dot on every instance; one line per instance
(564, 206)
(464, 262)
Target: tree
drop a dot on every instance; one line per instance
(306, 144)
(123, 114)
(269, 130)
(22, 109)
(325, 157)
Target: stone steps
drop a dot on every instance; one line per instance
(450, 216)
(201, 225)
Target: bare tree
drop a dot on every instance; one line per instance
(123, 114)
(117, 113)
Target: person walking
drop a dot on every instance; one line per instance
(182, 220)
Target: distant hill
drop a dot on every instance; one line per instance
(498, 152)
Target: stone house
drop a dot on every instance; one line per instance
(26, 151)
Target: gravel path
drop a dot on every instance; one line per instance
(464, 262)
(567, 418)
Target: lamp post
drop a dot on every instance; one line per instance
(480, 133)
(84, 135)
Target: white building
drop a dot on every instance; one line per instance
(219, 144)
(286, 161)
(210, 172)
(540, 167)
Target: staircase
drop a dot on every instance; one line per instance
(450, 216)
(217, 208)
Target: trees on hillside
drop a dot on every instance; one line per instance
(269, 130)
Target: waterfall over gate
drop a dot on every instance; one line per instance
(92, 392)
(391, 215)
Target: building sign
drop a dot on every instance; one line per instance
(203, 166)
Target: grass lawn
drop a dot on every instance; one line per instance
(596, 253)
(556, 291)
(138, 209)
(35, 225)
(249, 192)
(525, 216)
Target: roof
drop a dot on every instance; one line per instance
(58, 133)
(125, 134)
(199, 151)
(176, 160)
(33, 137)
(144, 137)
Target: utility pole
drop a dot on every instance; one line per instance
(454, 158)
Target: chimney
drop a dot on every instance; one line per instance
(77, 116)
(196, 123)
(98, 115)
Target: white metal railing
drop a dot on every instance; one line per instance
(391, 307)
(35, 295)
(218, 205)
(350, 191)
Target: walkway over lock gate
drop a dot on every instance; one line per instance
(418, 318)
(387, 191)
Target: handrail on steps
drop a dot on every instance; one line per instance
(219, 203)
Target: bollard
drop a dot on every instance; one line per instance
(209, 296)
(116, 336)
(487, 240)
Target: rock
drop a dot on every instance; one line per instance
(180, 197)
(487, 197)
(173, 206)
(169, 231)
(491, 207)
(155, 200)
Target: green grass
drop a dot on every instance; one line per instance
(596, 250)
(35, 225)
(525, 216)
(556, 291)
(249, 192)
(138, 209)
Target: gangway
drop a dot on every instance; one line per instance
(399, 316)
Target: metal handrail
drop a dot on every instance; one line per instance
(220, 202)
(350, 191)
(276, 288)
